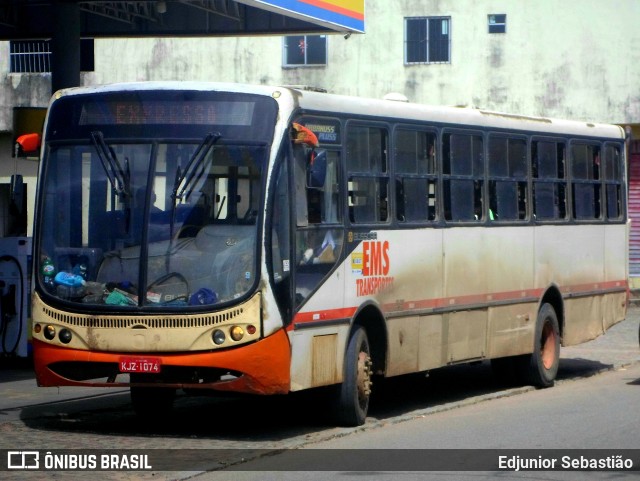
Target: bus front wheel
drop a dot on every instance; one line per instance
(355, 390)
(540, 367)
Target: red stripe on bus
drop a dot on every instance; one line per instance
(326, 315)
(334, 8)
(456, 301)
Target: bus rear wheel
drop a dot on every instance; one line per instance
(540, 367)
(353, 395)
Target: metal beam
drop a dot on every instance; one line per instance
(123, 11)
(223, 8)
(8, 16)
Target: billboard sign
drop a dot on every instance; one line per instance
(340, 15)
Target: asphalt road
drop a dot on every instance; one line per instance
(448, 400)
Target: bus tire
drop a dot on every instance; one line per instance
(150, 402)
(540, 367)
(355, 390)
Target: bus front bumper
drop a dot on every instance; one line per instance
(262, 367)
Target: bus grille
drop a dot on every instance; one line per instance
(141, 322)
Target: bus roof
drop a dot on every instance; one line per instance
(314, 101)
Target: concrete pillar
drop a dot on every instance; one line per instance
(65, 45)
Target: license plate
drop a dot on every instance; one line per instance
(138, 364)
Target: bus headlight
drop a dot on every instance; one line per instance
(65, 336)
(49, 332)
(237, 333)
(218, 337)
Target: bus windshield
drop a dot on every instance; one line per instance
(152, 216)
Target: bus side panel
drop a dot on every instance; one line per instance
(510, 267)
(511, 330)
(317, 353)
(616, 273)
(415, 342)
(317, 356)
(431, 338)
(484, 267)
(573, 258)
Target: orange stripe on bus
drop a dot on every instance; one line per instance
(335, 8)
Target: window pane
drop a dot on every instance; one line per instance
(613, 201)
(416, 40)
(294, 47)
(464, 155)
(366, 149)
(497, 23)
(316, 49)
(585, 161)
(415, 152)
(461, 200)
(517, 158)
(612, 163)
(368, 199)
(585, 201)
(438, 40)
(546, 201)
(498, 157)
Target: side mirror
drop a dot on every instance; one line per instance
(27, 145)
(317, 169)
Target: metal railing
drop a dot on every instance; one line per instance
(30, 56)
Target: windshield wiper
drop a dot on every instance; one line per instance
(195, 162)
(118, 178)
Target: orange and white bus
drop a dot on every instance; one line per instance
(269, 239)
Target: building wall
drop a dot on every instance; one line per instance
(571, 59)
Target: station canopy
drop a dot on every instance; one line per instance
(33, 19)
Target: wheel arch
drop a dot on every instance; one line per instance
(553, 297)
(370, 317)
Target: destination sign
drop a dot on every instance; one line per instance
(167, 112)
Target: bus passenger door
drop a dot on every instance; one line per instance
(319, 235)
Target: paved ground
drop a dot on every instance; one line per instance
(59, 418)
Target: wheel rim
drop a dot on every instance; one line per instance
(548, 346)
(364, 378)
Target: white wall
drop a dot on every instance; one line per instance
(574, 58)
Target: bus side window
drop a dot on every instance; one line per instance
(507, 178)
(463, 177)
(549, 188)
(415, 175)
(368, 182)
(613, 179)
(585, 179)
(323, 199)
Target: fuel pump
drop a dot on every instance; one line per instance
(15, 260)
(15, 271)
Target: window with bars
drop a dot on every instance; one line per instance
(300, 50)
(34, 56)
(427, 40)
